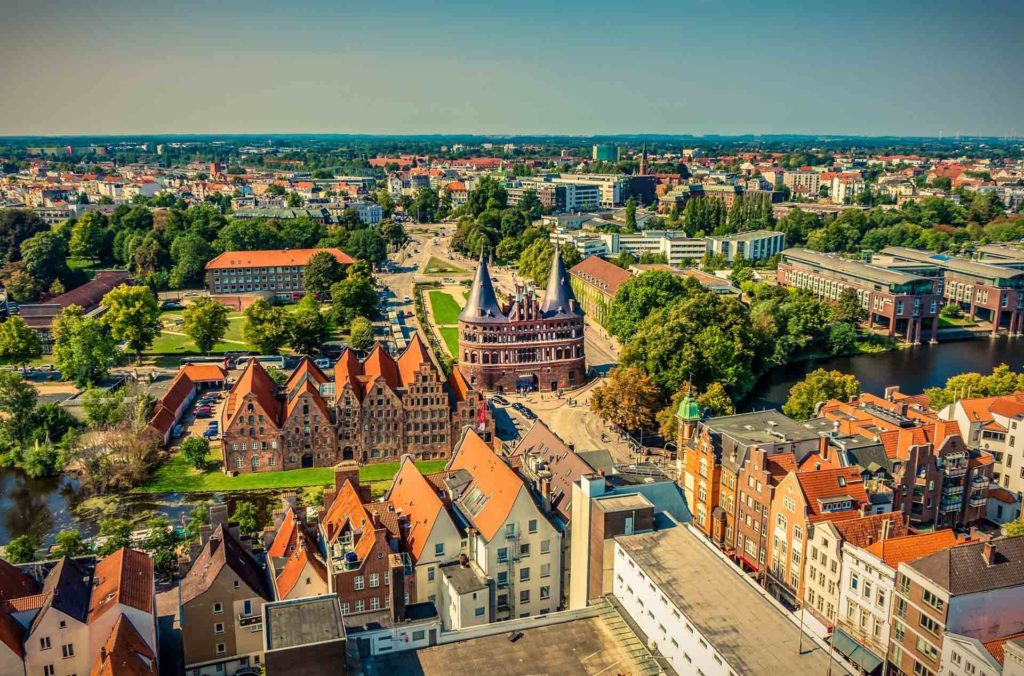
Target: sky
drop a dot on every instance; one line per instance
(898, 67)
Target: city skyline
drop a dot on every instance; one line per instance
(524, 68)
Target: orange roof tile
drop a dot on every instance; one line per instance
(458, 385)
(779, 465)
(346, 371)
(284, 540)
(303, 556)
(348, 514)
(414, 355)
(995, 646)
(379, 364)
(272, 258)
(489, 499)
(894, 551)
(204, 373)
(255, 381)
(417, 503)
(863, 531)
(125, 653)
(598, 272)
(125, 577)
(827, 484)
(305, 369)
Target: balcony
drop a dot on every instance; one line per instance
(977, 500)
(249, 620)
(979, 480)
(948, 506)
(951, 490)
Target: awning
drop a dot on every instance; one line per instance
(855, 652)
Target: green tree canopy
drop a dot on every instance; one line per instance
(83, 349)
(322, 272)
(21, 549)
(19, 344)
(195, 450)
(354, 297)
(205, 322)
(626, 398)
(639, 296)
(68, 543)
(267, 327)
(361, 333)
(133, 316)
(816, 388)
(309, 328)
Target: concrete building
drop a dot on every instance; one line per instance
(992, 424)
(605, 152)
(899, 302)
(754, 245)
(304, 637)
(802, 182)
(529, 344)
(975, 590)
(275, 273)
(702, 614)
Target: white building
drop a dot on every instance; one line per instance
(754, 245)
(702, 613)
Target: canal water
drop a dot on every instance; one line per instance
(43, 507)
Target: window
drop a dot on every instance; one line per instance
(545, 570)
(933, 600)
(439, 549)
(360, 606)
(930, 625)
(237, 584)
(218, 628)
(67, 650)
(921, 670)
(545, 546)
(545, 593)
(532, 526)
(48, 670)
(524, 550)
(374, 580)
(502, 579)
(479, 612)
(63, 624)
(217, 609)
(344, 609)
(358, 583)
(524, 574)
(904, 584)
(502, 554)
(524, 596)
(221, 649)
(247, 608)
(901, 607)
(44, 643)
(374, 603)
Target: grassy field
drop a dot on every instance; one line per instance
(955, 322)
(446, 310)
(177, 476)
(450, 335)
(436, 266)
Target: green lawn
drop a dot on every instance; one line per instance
(954, 322)
(446, 310)
(177, 476)
(436, 266)
(450, 335)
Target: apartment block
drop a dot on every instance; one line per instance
(994, 425)
(753, 245)
(974, 590)
(275, 273)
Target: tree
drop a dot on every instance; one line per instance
(361, 333)
(103, 408)
(1014, 528)
(45, 257)
(368, 245)
(309, 329)
(715, 401)
(354, 297)
(16, 226)
(535, 260)
(68, 543)
(195, 450)
(161, 543)
(630, 215)
(816, 388)
(205, 322)
(198, 517)
(393, 233)
(972, 384)
(88, 235)
(118, 534)
(638, 297)
(83, 349)
(133, 316)
(21, 549)
(294, 200)
(322, 272)
(21, 286)
(248, 235)
(425, 205)
(190, 253)
(247, 516)
(267, 327)
(952, 311)
(848, 308)
(17, 402)
(19, 344)
(627, 398)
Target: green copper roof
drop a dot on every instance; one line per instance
(689, 409)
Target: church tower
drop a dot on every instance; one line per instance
(643, 160)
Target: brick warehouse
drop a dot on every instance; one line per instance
(529, 344)
(374, 410)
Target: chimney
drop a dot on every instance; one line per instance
(545, 491)
(205, 531)
(890, 391)
(218, 515)
(397, 587)
(823, 447)
(988, 551)
(348, 470)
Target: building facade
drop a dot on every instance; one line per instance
(595, 282)
(276, 273)
(529, 344)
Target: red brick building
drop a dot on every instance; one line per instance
(528, 344)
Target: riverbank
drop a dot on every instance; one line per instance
(177, 475)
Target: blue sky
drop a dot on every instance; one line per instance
(685, 67)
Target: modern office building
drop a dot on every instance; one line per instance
(902, 303)
(753, 245)
(605, 152)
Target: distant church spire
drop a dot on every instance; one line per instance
(643, 159)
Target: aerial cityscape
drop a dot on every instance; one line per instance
(554, 339)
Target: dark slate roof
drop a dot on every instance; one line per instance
(964, 569)
(68, 590)
(222, 550)
(482, 305)
(559, 300)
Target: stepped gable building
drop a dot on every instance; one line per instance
(374, 410)
(529, 344)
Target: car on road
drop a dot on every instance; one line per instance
(500, 400)
(171, 305)
(406, 299)
(204, 412)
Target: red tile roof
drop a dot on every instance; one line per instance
(995, 646)
(272, 258)
(284, 540)
(348, 514)
(828, 484)
(125, 653)
(417, 501)
(255, 381)
(894, 551)
(205, 373)
(606, 276)
(494, 488)
(867, 529)
(125, 577)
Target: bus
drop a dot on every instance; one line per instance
(221, 360)
(270, 361)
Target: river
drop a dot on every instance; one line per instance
(43, 507)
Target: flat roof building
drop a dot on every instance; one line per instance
(304, 637)
(900, 302)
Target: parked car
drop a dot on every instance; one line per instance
(171, 305)
(500, 400)
(322, 362)
(211, 433)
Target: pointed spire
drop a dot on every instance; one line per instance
(482, 304)
(559, 298)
